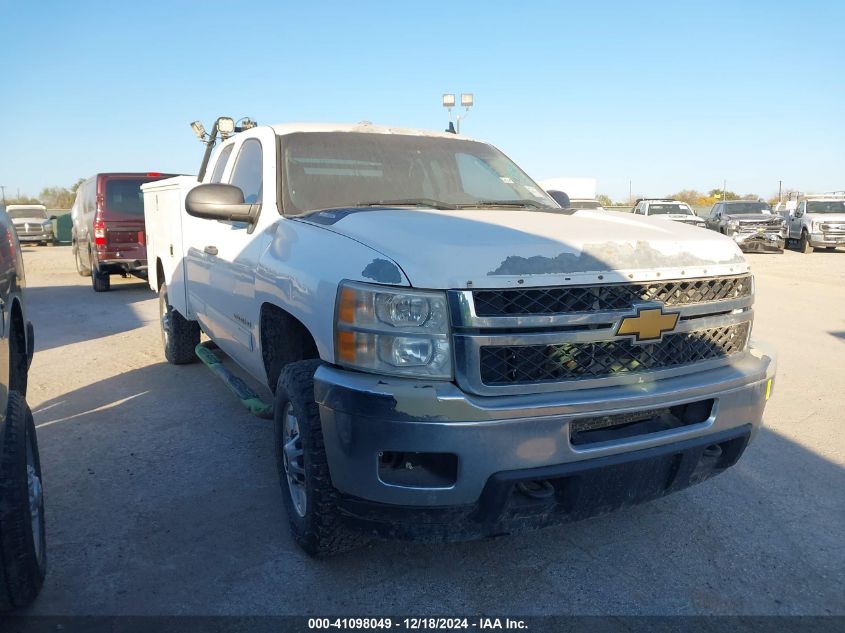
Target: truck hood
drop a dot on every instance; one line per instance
(20, 221)
(500, 248)
(681, 217)
(752, 217)
(832, 218)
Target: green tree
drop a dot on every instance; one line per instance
(690, 196)
(604, 200)
(729, 195)
(21, 200)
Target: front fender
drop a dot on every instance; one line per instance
(302, 267)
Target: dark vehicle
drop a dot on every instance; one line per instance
(23, 560)
(108, 234)
(752, 225)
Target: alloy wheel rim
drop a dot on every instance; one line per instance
(164, 315)
(294, 461)
(36, 501)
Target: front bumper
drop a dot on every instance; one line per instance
(35, 237)
(760, 242)
(366, 415)
(826, 240)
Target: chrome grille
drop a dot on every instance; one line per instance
(558, 300)
(753, 225)
(521, 364)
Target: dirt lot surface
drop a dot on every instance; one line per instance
(162, 496)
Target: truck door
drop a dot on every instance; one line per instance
(223, 256)
(796, 221)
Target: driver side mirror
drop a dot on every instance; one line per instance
(218, 201)
(799, 213)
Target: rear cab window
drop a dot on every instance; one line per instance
(247, 174)
(222, 160)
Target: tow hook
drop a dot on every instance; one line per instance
(536, 489)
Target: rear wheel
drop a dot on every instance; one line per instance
(80, 267)
(101, 282)
(23, 555)
(179, 336)
(804, 243)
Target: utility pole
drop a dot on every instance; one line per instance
(780, 191)
(3, 187)
(724, 189)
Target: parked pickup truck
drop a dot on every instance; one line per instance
(817, 221)
(752, 225)
(452, 356)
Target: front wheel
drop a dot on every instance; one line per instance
(310, 498)
(804, 245)
(23, 552)
(179, 336)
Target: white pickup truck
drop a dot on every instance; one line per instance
(452, 356)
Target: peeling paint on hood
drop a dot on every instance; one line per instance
(500, 248)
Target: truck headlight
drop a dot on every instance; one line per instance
(815, 227)
(732, 225)
(398, 331)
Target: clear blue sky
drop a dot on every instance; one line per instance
(668, 95)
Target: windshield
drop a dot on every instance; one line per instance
(666, 209)
(27, 213)
(747, 207)
(325, 170)
(585, 204)
(826, 206)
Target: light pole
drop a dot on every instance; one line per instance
(3, 187)
(449, 103)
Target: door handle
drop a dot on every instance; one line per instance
(210, 250)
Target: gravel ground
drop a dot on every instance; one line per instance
(162, 496)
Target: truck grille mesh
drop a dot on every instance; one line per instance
(525, 301)
(509, 365)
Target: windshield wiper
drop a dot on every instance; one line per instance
(407, 202)
(510, 204)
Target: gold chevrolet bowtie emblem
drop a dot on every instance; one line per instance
(648, 324)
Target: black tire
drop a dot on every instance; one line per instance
(804, 243)
(23, 553)
(18, 359)
(80, 267)
(100, 281)
(179, 336)
(318, 529)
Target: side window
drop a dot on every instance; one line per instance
(247, 172)
(217, 176)
(91, 196)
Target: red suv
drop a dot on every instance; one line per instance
(108, 227)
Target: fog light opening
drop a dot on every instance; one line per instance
(714, 451)
(418, 470)
(536, 489)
